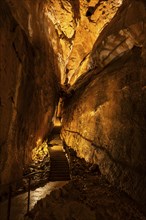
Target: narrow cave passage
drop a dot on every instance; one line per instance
(88, 58)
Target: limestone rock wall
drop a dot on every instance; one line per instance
(104, 116)
(106, 121)
(94, 16)
(45, 43)
(27, 94)
(71, 27)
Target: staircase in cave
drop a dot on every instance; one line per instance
(59, 167)
(59, 170)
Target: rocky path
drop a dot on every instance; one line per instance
(91, 198)
(88, 196)
(19, 203)
(53, 168)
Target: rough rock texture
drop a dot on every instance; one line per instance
(87, 196)
(91, 198)
(27, 95)
(45, 46)
(65, 23)
(104, 116)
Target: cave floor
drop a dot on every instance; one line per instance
(58, 176)
(87, 196)
(19, 203)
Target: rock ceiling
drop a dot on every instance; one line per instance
(71, 27)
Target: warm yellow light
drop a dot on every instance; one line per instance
(40, 151)
(38, 142)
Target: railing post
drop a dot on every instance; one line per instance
(9, 202)
(28, 201)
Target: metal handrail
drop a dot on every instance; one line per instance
(28, 176)
(24, 177)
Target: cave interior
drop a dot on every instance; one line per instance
(78, 67)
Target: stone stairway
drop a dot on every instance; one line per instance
(59, 170)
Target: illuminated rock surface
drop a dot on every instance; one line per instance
(105, 123)
(28, 95)
(40, 41)
(71, 27)
(104, 120)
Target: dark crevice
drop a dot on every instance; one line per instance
(16, 52)
(13, 28)
(92, 9)
(76, 8)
